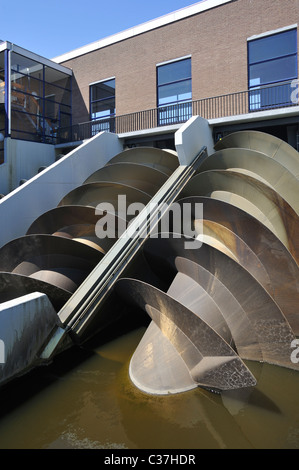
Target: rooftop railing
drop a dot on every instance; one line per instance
(250, 101)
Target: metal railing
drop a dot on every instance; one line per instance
(233, 104)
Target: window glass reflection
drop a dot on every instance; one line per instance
(40, 96)
(102, 106)
(174, 71)
(274, 46)
(272, 65)
(174, 92)
(274, 71)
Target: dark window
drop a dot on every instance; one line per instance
(40, 95)
(272, 65)
(174, 92)
(102, 106)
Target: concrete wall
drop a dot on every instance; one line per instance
(216, 39)
(191, 137)
(23, 160)
(45, 190)
(25, 325)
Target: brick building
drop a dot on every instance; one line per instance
(216, 53)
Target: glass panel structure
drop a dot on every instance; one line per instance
(272, 65)
(174, 92)
(102, 106)
(40, 100)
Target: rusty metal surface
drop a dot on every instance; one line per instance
(61, 247)
(138, 176)
(212, 363)
(246, 306)
(65, 216)
(242, 336)
(79, 223)
(252, 196)
(93, 194)
(265, 143)
(260, 166)
(61, 262)
(255, 248)
(79, 312)
(190, 293)
(163, 160)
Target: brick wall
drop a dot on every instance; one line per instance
(216, 39)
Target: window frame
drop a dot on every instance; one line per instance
(91, 101)
(177, 111)
(46, 126)
(271, 94)
(189, 78)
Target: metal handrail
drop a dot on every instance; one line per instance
(232, 104)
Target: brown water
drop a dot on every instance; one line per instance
(85, 400)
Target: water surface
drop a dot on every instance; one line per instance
(85, 400)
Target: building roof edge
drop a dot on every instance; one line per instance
(169, 18)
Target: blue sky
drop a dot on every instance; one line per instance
(53, 27)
